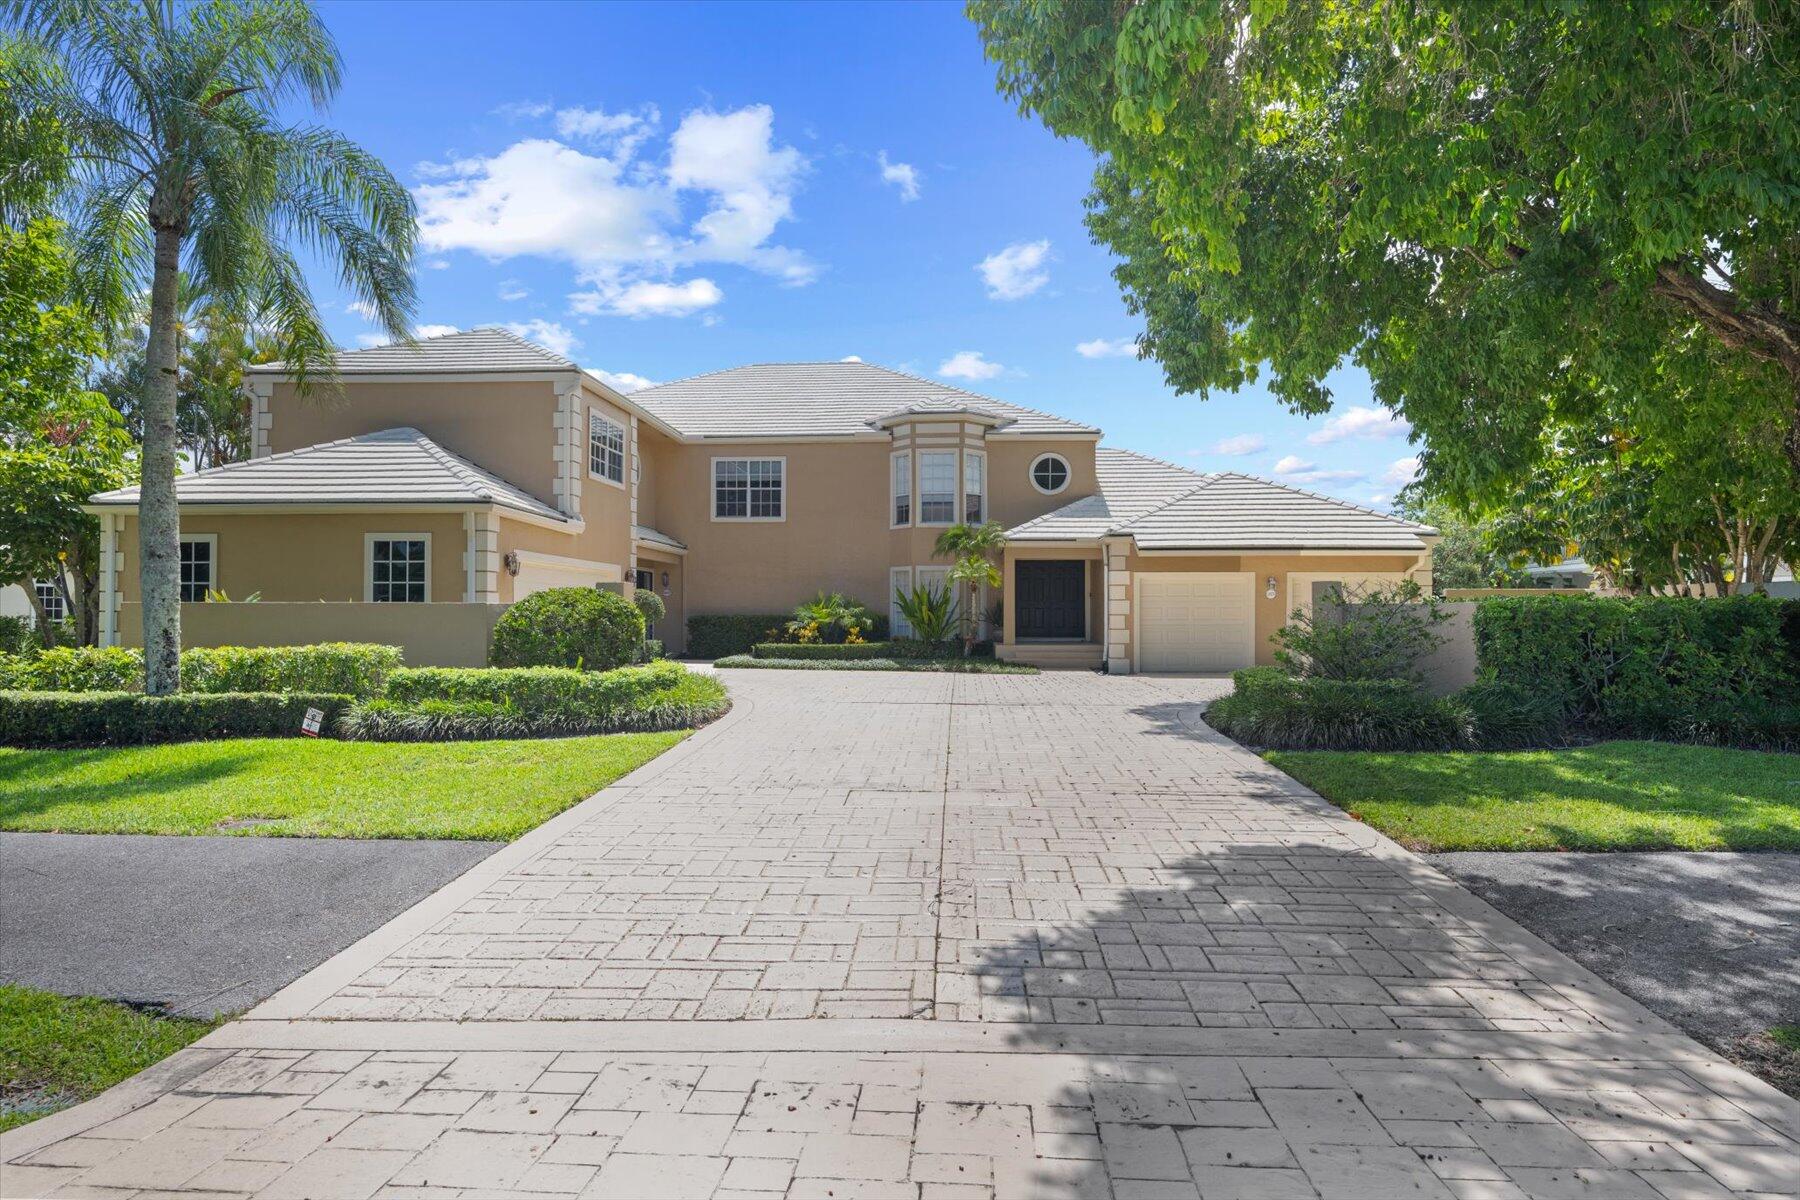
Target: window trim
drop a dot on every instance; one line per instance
(369, 540)
(712, 488)
(595, 412)
(899, 579)
(894, 477)
(970, 458)
(212, 540)
(1068, 474)
(955, 489)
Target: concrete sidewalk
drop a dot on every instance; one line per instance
(914, 935)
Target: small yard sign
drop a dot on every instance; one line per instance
(314, 719)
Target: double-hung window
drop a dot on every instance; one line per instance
(749, 489)
(902, 488)
(199, 558)
(974, 487)
(606, 447)
(50, 598)
(937, 487)
(399, 568)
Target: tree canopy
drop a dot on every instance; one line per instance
(1511, 215)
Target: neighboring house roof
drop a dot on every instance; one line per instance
(656, 537)
(1131, 485)
(1241, 512)
(1568, 566)
(393, 466)
(472, 350)
(822, 399)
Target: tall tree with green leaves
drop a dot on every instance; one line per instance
(1485, 205)
(182, 160)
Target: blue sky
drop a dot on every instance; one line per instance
(667, 189)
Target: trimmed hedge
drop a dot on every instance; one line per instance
(347, 668)
(966, 666)
(550, 691)
(720, 634)
(690, 701)
(131, 718)
(584, 628)
(1645, 667)
(835, 651)
(1272, 709)
(76, 669)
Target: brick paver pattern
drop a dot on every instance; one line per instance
(1045, 857)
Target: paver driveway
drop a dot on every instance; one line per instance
(916, 935)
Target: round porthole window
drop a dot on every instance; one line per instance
(1050, 473)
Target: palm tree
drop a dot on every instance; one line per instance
(180, 161)
(975, 549)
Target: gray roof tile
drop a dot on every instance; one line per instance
(471, 350)
(820, 399)
(644, 533)
(1131, 485)
(1241, 512)
(393, 466)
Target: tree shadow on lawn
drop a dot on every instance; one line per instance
(36, 781)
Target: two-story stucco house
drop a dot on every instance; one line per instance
(460, 474)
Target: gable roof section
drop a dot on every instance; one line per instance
(828, 399)
(470, 351)
(1131, 484)
(394, 466)
(1241, 512)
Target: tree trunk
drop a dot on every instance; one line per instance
(159, 518)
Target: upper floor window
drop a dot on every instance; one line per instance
(974, 487)
(50, 599)
(902, 489)
(198, 557)
(937, 487)
(1050, 473)
(749, 489)
(606, 447)
(399, 568)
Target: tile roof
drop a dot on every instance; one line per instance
(394, 466)
(820, 399)
(471, 350)
(1241, 512)
(644, 533)
(1166, 507)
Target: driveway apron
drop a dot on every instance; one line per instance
(924, 935)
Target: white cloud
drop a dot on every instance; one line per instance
(619, 220)
(558, 339)
(1379, 499)
(1243, 443)
(523, 110)
(361, 308)
(904, 176)
(1017, 271)
(512, 289)
(648, 299)
(1360, 422)
(1401, 471)
(431, 331)
(621, 381)
(1107, 348)
(420, 333)
(968, 364)
(1295, 469)
(851, 358)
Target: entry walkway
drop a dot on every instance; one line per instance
(920, 935)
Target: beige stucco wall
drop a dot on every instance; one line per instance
(1009, 482)
(429, 635)
(672, 629)
(308, 556)
(506, 427)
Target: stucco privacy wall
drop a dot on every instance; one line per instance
(306, 556)
(429, 635)
(1270, 614)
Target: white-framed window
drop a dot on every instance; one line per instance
(199, 566)
(50, 597)
(398, 568)
(1049, 473)
(899, 580)
(606, 447)
(937, 487)
(937, 577)
(974, 487)
(902, 472)
(749, 489)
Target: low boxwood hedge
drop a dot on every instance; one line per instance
(1271, 709)
(481, 712)
(132, 718)
(75, 669)
(838, 651)
(966, 666)
(718, 634)
(557, 691)
(347, 668)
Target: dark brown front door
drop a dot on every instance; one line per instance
(1052, 600)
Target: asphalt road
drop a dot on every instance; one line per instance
(1708, 941)
(200, 925)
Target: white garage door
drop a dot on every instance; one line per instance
(537, 574)
(1196, 622)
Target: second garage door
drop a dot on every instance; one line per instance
(1196, 621)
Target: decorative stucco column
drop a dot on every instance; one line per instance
(1120, 654)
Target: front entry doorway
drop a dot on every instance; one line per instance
(1052, 598)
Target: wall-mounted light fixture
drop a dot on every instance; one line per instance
(1269, 588)
(511, 562)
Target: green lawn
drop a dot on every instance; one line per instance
(297, 787)
(55, 1051)
(1611, 796)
